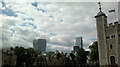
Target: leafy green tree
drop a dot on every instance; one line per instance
(94, 56)
(25, 55)
(58, 54)
(31, 56)
(20, 52)
(81, 56)
(72, 56)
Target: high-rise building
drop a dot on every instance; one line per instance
(39, 44)
(76, 48)
(79, 42)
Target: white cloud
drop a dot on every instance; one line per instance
(61, 1)
(65, 20)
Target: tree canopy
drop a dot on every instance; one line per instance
(81, 56)
(94, 56)
(27, 55)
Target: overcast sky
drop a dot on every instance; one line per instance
(58, 22)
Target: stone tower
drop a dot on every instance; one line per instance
(108, 40)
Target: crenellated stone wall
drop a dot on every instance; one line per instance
(108, 40)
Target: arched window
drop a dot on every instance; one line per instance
(111, 47)
(112, 60)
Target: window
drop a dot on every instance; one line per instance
(107, 37)
(113, 36)
(100, 41)
(5, 62)
(119, 35)
(111, 47)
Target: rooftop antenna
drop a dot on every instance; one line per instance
(99, 6)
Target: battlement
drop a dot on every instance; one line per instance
(110, 24)
(115, 24)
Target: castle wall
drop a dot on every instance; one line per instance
(119, 20)
(113, 40)
(108, 40)
(119, 44)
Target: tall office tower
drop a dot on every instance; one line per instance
(39, 44)
(79, 42)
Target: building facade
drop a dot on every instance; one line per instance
(108, 40)
(78, 44)
(9, 58)
(76, 48)
(39, 44)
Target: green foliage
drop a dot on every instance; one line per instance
(27, 55)
(20, 52)
(81, 56)
(94, 56)
(58, 55)
(72, 56)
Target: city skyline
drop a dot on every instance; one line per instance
(58, 23)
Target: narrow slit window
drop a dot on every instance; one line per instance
(111, 47)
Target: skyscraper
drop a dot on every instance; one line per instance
(79, 42)
(39, 44)
(76, 48)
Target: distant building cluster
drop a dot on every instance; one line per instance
(40, 44)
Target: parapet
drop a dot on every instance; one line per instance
(110, 24)
(115, 24)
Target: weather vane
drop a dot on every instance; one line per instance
(99, 5)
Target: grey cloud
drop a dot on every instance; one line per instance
(78, 20)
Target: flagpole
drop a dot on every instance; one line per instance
(116, 19)
(116, 16)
